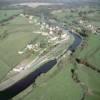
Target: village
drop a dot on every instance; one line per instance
(50, 52)
(54, 34)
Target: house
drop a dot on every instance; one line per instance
(47, 26)
(53, 39)
(69, 52)
(20, 52)
(42, 27)
(89, 26)
(35, 20)
(30, 17)
(30, 46)
(22, 15)
(92, 28)
(51, 32)
(18, 69)
(30, 22)
(64, 36)
(81, 22)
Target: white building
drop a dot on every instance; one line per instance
(81, 22)
(89, 26)
(64, 36)
(18, 69)
(22, 15)
(42, 27)
(35, 20)
(44, 24)
(53, 39)
(30, 46)
(50, 28)
(30, 17)
(20, 52)
(69, 52)
(30, 22)
(47, 26)
(51, 32)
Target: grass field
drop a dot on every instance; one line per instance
(92, 52)
(66, 16)
(60, 85)
(54, 85)
(87, 75)
(4, 14)
(19, 32)
(57, 84)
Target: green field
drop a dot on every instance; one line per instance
(55, 85)
(58, 83)
(15, 35)
(90, 77)
(66, 16)
(4, 14)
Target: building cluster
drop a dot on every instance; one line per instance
(53, 32)
(88, 26)
(92, 28)
(34, 47)
(30, 47)
(30, 18)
